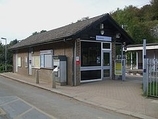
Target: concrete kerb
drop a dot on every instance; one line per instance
(125, 112)
(38, 86)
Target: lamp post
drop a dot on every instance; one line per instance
(5, 53)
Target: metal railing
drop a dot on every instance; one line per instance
(152, 77)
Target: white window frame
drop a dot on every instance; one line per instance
(19, 61)
(46, 59)
(26, 61)
(34, 61)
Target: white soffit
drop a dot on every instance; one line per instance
(141, 48)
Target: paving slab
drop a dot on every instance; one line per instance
(16, 108)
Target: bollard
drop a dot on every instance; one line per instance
(53, 80)
(37, 76)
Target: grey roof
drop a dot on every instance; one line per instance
(61, 33)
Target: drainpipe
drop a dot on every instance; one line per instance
(73, 66)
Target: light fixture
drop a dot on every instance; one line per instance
(101, 26)
(102, 32)
(118, 35)
(102, 29)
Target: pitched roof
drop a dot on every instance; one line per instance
(63, 32)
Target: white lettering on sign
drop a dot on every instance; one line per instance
(103, 38)
(77, 58)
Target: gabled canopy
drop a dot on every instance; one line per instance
(74, 30)
(139, 47)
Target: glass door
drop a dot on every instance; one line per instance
(106, 64)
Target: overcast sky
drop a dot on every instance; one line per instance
(20, 18)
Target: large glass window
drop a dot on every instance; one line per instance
(106, 60)
(90, 54)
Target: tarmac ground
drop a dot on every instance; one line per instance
(13, 107)
(124, 97)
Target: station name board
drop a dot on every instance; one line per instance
(103, 38)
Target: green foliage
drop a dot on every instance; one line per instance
(139, 23)
(9, 53)
(154, 9)
(9, 56)
(42, 31)
(9, 68)
(153, 89)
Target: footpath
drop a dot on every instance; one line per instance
(120, 96)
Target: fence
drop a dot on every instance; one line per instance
(152, 77)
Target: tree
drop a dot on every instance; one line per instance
(139, 23)
(82, 19)
(42, 31)
(1, 54)
(34, 33)
(9, 53)
(154, 9)
(145, 13)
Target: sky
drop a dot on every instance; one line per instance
(20, 18)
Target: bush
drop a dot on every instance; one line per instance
(9, 68)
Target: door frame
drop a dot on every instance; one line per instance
(110, 61)
(101, 67)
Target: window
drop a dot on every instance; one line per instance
(106, 73)
(106, 60)
(19, 61)
(46, 60)
(36, 61)
(106, 45)
(90, 54)
(26, 61)
(90, 75)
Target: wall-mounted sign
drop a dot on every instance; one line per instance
(118, 67)
(77, 60)
(104, 38)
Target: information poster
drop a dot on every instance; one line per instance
(118, 67)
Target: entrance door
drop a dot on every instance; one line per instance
(106, 64)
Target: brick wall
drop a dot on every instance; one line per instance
(22, 69)
(78, 54)
(113, 57)
(62, 48)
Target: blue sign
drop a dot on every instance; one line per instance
(104, 38)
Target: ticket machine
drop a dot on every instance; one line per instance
(60, 69)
